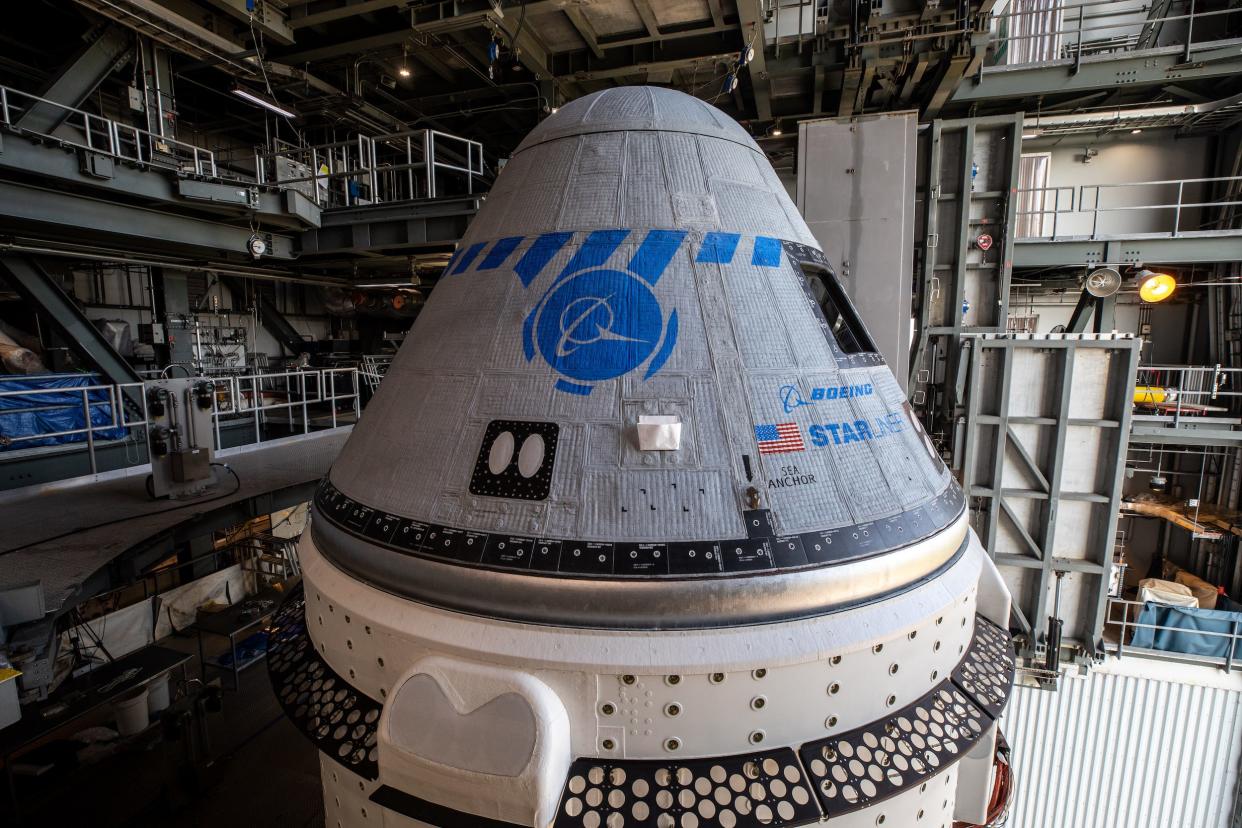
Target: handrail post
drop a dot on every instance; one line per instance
(1095, 213)
(357, 396)
(1125, 620)
(370, 145)
(315, 176)
(1177, 211)
(1078, 46)
(4, 104)
(90, 433)
(215, 415)
(332, 398)
(409, 167)
(429, 155)
(305, 421)
(1232, 645)
(254, 403)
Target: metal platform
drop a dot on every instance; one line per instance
(292, 467)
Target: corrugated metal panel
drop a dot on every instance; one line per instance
(1124, 749)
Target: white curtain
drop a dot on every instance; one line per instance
(1033, 27)
(1033, 198)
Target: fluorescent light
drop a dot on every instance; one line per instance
(258, 100)
(1027, 136)
(1135, 131)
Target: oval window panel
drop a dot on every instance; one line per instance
(530, 458)
(501, 455)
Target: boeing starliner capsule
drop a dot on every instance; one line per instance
(639, 529)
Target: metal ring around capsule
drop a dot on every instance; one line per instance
(637, 604)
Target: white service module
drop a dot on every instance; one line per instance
(640, 529)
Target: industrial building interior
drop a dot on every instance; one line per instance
(220, 220)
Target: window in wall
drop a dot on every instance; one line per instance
(1034, 197)
(851, 336)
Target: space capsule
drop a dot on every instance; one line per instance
(639, 529)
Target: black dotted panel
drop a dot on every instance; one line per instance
(579, 558)
(339, 719)
(747, 791)
(857, 769)
(510, 483)
(986, 672)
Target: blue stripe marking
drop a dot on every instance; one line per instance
(718, 248)
(594, 251)
(452, 261)
(654, 254)
(538, 256)
(767, 252)
(574, 388)
(499, 252)
(666, 348)
(466, 258)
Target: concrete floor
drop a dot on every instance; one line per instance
(262, 771)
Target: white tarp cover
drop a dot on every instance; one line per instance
(133, 627)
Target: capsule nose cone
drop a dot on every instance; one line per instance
(638, 108)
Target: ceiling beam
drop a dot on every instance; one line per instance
(625, 61)
(717, 12)
(651, 67)
(386, 39)
(266, 16)
(643, 7)
(342, 12)
(585, 30)
(948, 82)
(425, 55)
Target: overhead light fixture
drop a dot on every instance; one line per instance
(776, 130)
(1155, 287)
(1135, 131)
(1027, 136)
(404, 71)
(555, 109)
(259, 100)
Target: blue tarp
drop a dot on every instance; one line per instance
(59, 409)
(1188, 625)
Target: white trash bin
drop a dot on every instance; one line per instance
(157, 694)
(131, 713)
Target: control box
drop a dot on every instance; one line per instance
(180, 435)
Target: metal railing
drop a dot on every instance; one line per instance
(114, 398)
(1053, 30)
(258, 396)
(1188, 390)
(1087, 202)
(300, 394)
(1118, 617)
(374, 369)
(397, 166)
(105, 136)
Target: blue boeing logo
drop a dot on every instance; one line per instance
(596, 323)
(791, 398)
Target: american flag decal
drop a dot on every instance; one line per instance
(779, 438)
